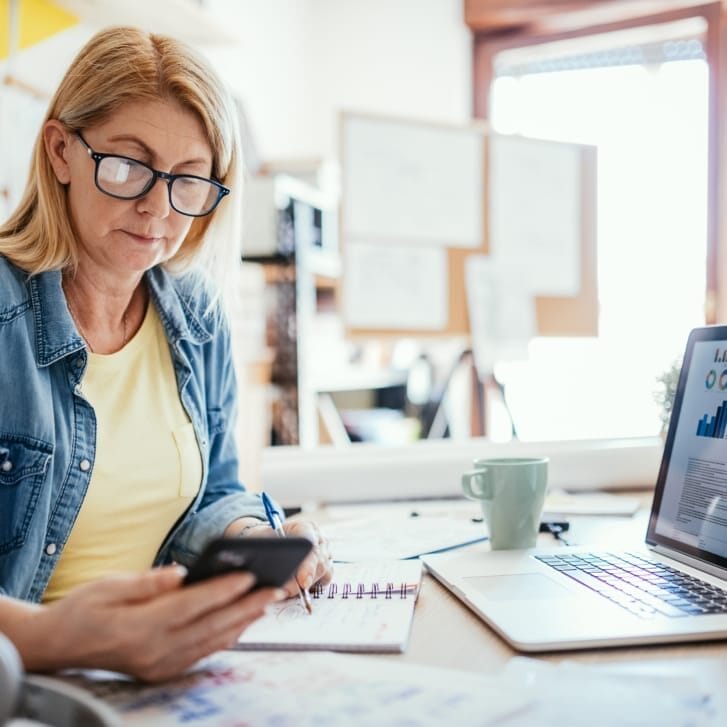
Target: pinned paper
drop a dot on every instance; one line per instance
(396, 287)
(501, 308)
(535, 211)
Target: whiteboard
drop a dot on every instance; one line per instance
(412, 182)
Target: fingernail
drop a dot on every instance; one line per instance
(279, 594)
(181, 571)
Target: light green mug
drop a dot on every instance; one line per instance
(511, 491)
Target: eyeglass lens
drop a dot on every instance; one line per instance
(126, 178)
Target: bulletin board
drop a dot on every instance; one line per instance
(417, 201)
(413, 205)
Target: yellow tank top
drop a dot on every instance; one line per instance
(148, 467)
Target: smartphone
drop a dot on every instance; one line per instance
(273, 561)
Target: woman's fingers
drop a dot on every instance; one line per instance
(135, 588)
(213, 631)
(236, 615)
(303, 529)
(191, 602)
(325, 573)
(184, 657)
(318, 566)
(149, 625)
(169, 650)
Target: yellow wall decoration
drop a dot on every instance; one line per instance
(39, 19)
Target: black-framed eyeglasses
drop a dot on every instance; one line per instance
(125, 178)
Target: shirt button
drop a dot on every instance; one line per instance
(7, 465)
(85, 465)
(51, 548)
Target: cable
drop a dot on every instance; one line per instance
(555, 529)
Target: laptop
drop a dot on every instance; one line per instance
(672, 588)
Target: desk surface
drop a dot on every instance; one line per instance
(446, 633)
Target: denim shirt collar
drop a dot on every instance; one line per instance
(179, 310)
(55, 331)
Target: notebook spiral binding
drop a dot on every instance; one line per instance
(361, 590)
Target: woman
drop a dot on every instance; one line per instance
(117, 414)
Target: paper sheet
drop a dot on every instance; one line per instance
(351, 615)
(501, 307)
(395, 286)
(594, 696)
(558, 502)
(535, 211)
(399, 536)
(308, 690)
(405, 180)
(231, 689)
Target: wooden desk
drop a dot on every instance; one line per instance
(446, 633)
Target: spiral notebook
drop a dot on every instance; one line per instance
(367, 607)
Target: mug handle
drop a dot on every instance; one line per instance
(476, 486)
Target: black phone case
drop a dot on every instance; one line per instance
(273, 561)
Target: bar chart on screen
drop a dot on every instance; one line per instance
(714, 426)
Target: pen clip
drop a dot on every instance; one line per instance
(271, 511)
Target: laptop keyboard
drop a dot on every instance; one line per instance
(642, 586)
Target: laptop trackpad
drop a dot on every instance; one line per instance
(518, 587)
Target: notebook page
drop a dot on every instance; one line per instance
(374, 618)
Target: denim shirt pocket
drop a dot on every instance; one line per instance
(23, 465)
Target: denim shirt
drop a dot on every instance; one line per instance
(48, 429)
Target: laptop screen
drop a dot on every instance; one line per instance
(690, 502)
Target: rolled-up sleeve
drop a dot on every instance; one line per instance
(210, 522)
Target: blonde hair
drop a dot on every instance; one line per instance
(117, 66)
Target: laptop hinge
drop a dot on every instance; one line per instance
(701, 565)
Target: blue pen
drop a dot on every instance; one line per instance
(276, 524)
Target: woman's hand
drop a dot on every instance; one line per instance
(316, 568)
(145, 625)
(318, 565)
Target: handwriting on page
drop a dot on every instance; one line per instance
(364, 622)
(367, 607)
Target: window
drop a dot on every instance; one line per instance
(645, 108)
